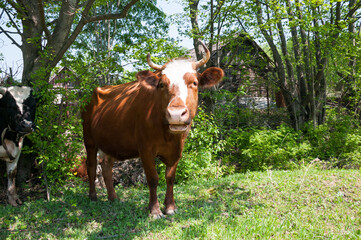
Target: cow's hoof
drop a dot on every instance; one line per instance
(113, 198)
(156, 215)
(93, 197)
(15, 202)
(170, 211)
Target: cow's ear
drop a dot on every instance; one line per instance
(210, 77)
(148, 78)
(2, 91)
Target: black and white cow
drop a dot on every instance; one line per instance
(17, 114)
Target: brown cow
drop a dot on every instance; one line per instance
(147, 118)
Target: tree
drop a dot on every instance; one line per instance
(301, 36)
(49, 28)
(217, 14)
(117, 46)
(344, 64)
(312, 28)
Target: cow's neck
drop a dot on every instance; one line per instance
(8, 134)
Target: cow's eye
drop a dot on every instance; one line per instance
(195, 83)
(160, 85)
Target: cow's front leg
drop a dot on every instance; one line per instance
(169, 203)
(11, 169)
(152, 180)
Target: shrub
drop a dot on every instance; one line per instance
(338, 141)
(199, 158)
(58, 138)
(260, 149)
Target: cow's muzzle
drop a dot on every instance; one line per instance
(25, 127)
(178, 119)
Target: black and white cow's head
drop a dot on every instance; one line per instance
(17, 107)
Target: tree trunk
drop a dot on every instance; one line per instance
(319, 80)
(299, 65)
(39, 59)
(350, 78)
(293, 105)
(193, 6)
(309, 83)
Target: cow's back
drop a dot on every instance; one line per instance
(114, 117)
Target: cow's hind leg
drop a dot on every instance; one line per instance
(107, 167)
(11, 169)
(91, 163)
(169, 203)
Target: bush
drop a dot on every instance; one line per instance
(338, 141)
(58, 139)
(199, 158)
(260, 149)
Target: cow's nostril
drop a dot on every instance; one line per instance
(184, 112)
(177, 115)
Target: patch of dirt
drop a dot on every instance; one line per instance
(128, 172)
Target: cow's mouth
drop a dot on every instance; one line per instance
(178, 127)
(24, 133)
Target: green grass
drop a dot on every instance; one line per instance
(303, 204)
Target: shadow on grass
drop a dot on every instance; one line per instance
(72, 215)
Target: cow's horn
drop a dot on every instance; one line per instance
(205, 59)
(153, 65)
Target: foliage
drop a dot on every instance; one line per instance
(262, 139)
(336, 143)
(344, 76)
(310, 45)
(303, 204)
(225, 107)
(199, 158)
(112, 47)
(261, 149)
(204, 134)
(58, 139)
(338, 140)
(200, 152)
(57, 142)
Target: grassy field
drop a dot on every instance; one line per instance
(303, 204)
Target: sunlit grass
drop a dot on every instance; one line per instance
(303, 204)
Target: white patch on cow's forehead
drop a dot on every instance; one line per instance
(20, 94)
(175, 72)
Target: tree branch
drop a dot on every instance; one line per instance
(12, 21)
(18, 9)
(11, 38)
(353, 10)
(83, 21)
(7, 33)
(215, 14)
(123, 14)
(42, 19)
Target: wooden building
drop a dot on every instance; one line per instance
(247, 67)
